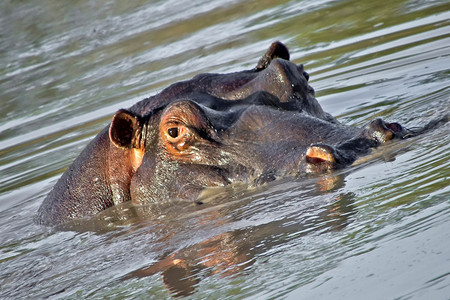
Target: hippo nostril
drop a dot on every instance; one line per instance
(306, 75)
(395, 127)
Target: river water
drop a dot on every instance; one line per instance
(377, 230)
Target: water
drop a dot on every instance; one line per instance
(378, 230)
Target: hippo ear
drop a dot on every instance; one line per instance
(125, 130)
(276, 50)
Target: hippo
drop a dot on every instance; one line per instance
(213, 130)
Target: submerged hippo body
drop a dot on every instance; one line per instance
(213, 130)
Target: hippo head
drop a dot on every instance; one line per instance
(213, 130)
(251, 126)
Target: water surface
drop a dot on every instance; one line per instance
(376, 230)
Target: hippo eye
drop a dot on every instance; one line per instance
(173, 132)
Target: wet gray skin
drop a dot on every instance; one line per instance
(213, 130)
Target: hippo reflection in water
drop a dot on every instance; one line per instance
(214, 130)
